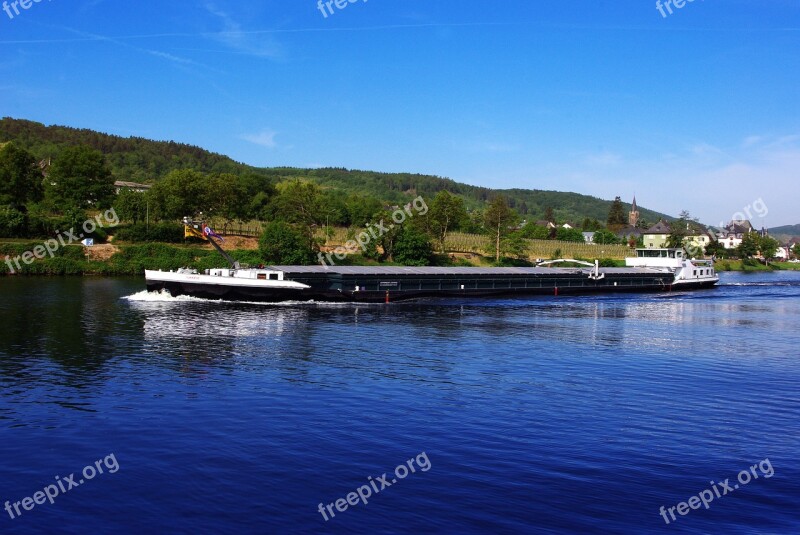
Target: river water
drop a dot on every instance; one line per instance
(542, 415)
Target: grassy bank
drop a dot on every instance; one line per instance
(754, 265)
(130, 260)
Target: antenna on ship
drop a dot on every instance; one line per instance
(199, 229)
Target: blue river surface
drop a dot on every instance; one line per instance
(141, 413)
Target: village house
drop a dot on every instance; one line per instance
(656, 236)
(782, 253)
(730, 236)
(626, 233)
(698, 238)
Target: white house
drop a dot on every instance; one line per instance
(588, 237)
(731, 235)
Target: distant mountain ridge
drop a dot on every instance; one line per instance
(786, 229)
(136, 159)
(785, 233)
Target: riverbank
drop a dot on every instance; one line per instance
(115, 260)
(133, 259)
(121, 259)
(754, 265)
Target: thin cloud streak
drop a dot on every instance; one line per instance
(235, 33)
(265, 138)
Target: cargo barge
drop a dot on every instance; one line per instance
(652, 270)
(389, 284)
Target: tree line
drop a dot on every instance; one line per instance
(38, 200)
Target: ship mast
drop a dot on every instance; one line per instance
(197, 230)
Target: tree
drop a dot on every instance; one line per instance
(79, 177)
(515, 245)
(12, 222)
(686, 216)
(570, 234)
(226, 197)
(179, 194)
(605, 237)
(281, 244)
(20, 178)
(716, 249)
(412, 247)
(131, 205)
(796, 250)
(749, 246)
(616, 215)
(591, 225)
(497, 218)
(768, 247)
(549, 216)
(259, 192)
(535, 232)
(300, 203)
(681, 229)
(446, 214)
(361, 211)
(676, 238)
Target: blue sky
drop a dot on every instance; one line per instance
(697, 110)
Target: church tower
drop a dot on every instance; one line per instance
(633, 216)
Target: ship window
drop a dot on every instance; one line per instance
(273, 276)
(262, 276)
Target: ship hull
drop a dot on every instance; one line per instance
(387, 286)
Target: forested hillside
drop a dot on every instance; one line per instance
(141, 160)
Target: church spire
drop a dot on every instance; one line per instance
(633, 217)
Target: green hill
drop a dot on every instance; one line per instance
(142, 160)
(785, 233)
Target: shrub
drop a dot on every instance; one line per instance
(164, 232)
(412, 248)
(513, 262)
(12, 222)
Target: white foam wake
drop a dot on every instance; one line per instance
(159, 297)
(164, 296)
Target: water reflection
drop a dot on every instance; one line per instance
(80, 325)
